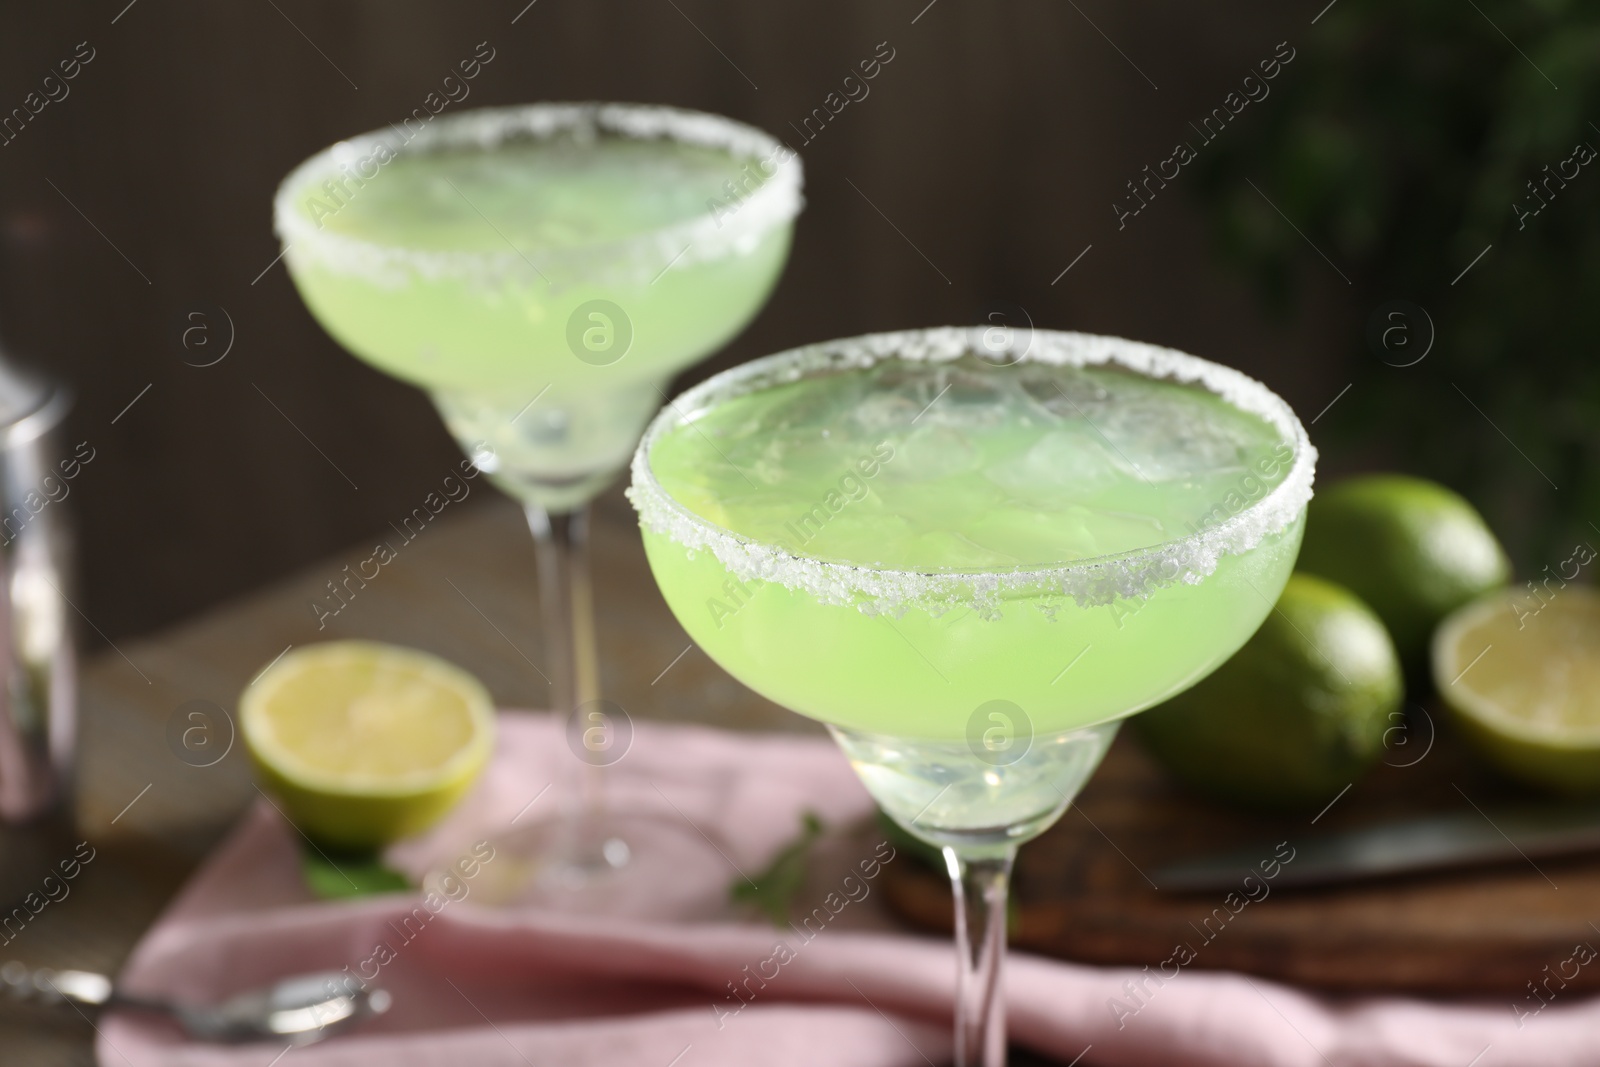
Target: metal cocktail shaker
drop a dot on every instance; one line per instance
(38, 705)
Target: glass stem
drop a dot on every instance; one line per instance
(566, 607)
(981, 882)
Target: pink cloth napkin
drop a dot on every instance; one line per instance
(498, 987)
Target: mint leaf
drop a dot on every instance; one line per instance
(335, 876)
(775, 888)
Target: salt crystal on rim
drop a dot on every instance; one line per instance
(1090, 582)
(713, 235)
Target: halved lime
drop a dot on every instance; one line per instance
(1521, 672)
(363, 743)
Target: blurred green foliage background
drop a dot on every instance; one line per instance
(1410, 138)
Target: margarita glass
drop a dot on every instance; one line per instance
(542, 271)
(971, 556)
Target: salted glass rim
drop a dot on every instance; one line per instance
(1089, 581)
(707, 235)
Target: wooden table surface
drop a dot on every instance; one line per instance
(464, 589)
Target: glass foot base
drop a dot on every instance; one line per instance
(635, 865)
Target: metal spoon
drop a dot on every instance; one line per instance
(299, 1010)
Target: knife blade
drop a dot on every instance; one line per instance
(1426, 843)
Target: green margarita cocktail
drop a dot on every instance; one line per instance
(971, 562)
(543, 271)
(957, 532)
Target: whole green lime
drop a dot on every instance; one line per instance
(1412, 549)
(1296, 715)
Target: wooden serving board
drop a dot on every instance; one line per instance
(1087, 889)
